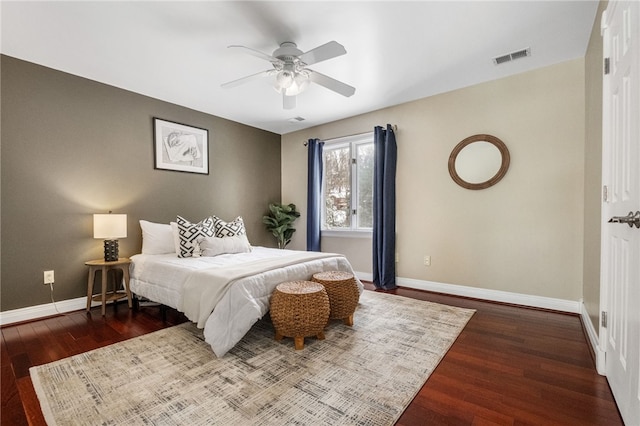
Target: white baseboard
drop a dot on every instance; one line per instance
(593, 340)
(364, 276)
(561, 305)
(40, 311)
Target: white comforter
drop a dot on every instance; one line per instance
(226, 294)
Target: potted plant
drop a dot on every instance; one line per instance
(280, 222)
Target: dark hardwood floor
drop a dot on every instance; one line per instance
(509, 366)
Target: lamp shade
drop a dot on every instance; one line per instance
(109, 226)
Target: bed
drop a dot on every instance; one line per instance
(227, 293)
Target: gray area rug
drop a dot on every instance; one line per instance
(361, 375)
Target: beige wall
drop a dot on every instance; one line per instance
(593, 171)
(72, 147)
(524, 235)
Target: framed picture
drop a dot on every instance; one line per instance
(180, 147)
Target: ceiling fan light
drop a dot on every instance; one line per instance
(284, 80)
(292, 90)
(302, 80)
(300, 84)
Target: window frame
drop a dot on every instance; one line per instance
(352, 142)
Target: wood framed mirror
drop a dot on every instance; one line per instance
(479, 162)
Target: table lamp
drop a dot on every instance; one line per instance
(110, 227)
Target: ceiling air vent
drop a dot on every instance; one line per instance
(296, 119)
(512, 56)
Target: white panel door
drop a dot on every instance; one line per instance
(620, 295)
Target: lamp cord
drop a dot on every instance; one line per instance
(53, 301)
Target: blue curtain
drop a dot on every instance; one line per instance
(384, 208)
(314, 193)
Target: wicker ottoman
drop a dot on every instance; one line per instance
(299, 309)
(343, 293)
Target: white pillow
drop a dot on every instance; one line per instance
(157, 238)
(176, 236)
(213, 246)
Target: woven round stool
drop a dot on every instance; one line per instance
(343, 293)
(299, 309)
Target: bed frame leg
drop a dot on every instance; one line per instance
(163, 312)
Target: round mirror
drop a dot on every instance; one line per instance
(479, 161)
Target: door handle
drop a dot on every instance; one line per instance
(631, 219)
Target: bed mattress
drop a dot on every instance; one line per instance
(169, 280)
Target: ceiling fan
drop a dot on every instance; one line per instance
(291, 72)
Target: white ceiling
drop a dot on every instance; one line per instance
(396, 51)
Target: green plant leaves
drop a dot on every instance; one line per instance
(280, 222)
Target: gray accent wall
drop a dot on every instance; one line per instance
(72, 147)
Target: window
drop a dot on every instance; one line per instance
(348, 184)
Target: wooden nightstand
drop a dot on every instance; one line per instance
(105, 268)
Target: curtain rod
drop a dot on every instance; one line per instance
(393, 126)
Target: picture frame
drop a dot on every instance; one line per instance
(180, 147)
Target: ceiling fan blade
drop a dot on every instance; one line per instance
(288, 102)
(247, 79)
(257, 53)
(331, 83)
(322, 53)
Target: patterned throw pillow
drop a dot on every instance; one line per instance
(190, 232)
(228, 229)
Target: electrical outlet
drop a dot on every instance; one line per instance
(397, 257)
(427, 260)
(48, 277)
